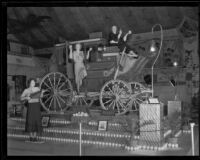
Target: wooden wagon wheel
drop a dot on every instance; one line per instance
(115, 95)
(82, 99)
(139, 94)
(58, 94)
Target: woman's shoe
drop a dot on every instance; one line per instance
(38, 141)
(30, 140)
(34, 139)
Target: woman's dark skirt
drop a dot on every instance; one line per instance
(33, 118)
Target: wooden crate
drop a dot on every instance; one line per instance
(151, 125)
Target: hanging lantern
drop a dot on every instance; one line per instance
(175, 64)
(153, 47)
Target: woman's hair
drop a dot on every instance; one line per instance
(29, 81)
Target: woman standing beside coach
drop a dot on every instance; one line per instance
(33, 117)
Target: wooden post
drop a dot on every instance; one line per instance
(66, 53)
(80, 140)
(192, 136)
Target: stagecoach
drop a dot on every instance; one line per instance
(103, 84)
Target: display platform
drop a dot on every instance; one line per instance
(114, 133)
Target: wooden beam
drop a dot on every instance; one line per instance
(81, 41)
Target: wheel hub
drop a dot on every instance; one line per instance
(116, 97)
(55, 91)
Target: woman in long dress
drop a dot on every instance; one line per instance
(79, 67)
(33, 116)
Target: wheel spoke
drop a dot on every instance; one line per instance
(113, 105)
(47, 85)
(108, 101)
(90, 102)
(111, 90)
(50, 82)
(84, 101)
(48, 99)
(139, 100)
(58, 103)
(61, 85)
(50, 103)
(61, 99)
(58, 82)
(130, 103)
(110, 104)
(122, 89)
(122, 105)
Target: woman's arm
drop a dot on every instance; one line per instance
(119, 35)
(37, 89)
(42, 93)
(25, 96)
(70, 52)
(125, 37)
(88, 53)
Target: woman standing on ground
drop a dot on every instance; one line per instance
(33, 116)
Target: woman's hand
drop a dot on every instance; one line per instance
(70, 47)
(28, 98)
(120, 31)
(90, 49)
(42, 93)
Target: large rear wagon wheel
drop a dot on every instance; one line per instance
(58, 92)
